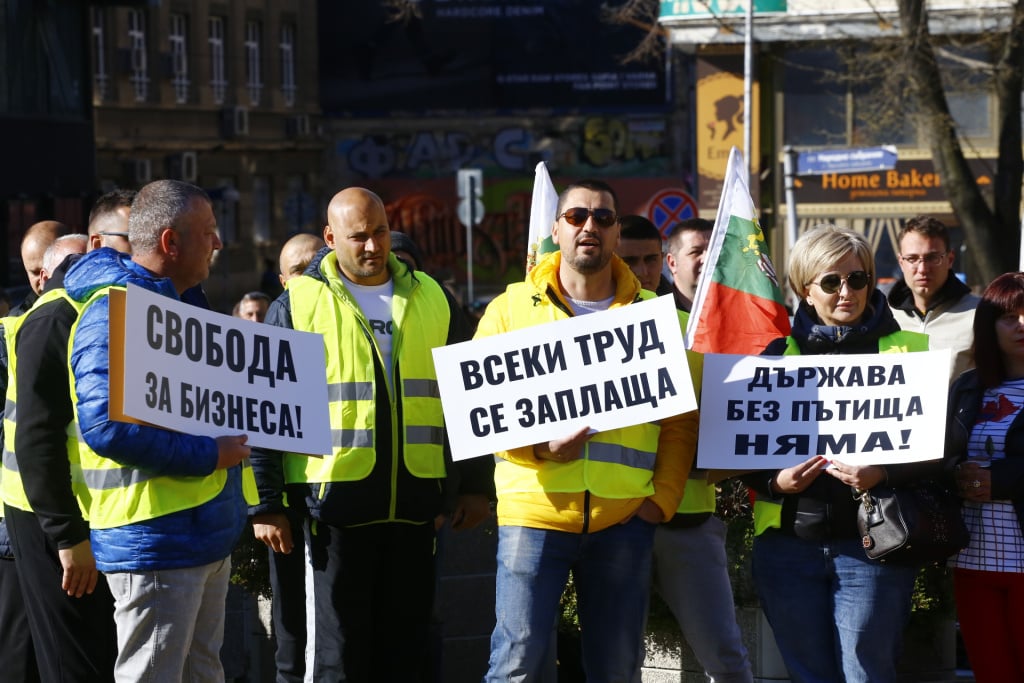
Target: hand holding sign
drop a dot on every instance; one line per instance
(566, 449)
(231, 450)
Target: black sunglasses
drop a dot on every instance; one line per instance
(831, 283)
(578, 216)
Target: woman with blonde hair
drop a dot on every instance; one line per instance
(836, 615)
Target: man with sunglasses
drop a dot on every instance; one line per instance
(930, 298)
(589, 502)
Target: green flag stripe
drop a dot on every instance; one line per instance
(743, 263)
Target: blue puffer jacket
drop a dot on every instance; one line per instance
(189, 538)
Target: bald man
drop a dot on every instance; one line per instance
(373, 499)
(296, 255)
(37, 239)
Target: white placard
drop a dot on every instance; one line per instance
(762, 412)
(605, 370)
(209, 374)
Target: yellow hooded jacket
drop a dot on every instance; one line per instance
(538, 300)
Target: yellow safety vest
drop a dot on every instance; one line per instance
(420, 315)
(768, 513)
(11, 488)
(119, 495)
(618, 463)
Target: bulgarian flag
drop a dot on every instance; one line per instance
(738, 307)
(543, 207)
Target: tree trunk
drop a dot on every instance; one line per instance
(985, 229)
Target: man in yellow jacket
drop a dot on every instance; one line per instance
(588, 503)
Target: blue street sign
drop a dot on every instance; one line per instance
(846, 160)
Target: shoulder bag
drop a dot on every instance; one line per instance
(915, 524)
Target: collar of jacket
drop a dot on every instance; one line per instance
(544, 279)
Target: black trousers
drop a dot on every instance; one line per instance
(373, 595)
(17, 657)
(75, 638)
(288, 609)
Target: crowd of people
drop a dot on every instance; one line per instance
(116, 537)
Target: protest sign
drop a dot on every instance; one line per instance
(604, 370)
(205, 373)
(760, 412)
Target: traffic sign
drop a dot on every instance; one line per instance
(464, 209)
(846, 160)
(668, 207)
(470, 182)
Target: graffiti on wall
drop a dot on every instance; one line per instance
(593, 146)
(426, 211)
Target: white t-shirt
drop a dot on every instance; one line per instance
(582, 307)
(375, 302)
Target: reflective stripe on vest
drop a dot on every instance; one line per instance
(118, 495)
(617, 463)
(421, 317)
(768, 513)
(11, 488)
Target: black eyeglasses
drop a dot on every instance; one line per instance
(833, 282)
(107, 233)
(578, 216)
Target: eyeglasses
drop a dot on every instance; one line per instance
(932, 258)
(107, 233)
(578, 216)
(833, 282)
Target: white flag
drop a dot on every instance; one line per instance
(543, 207)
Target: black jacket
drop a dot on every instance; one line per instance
(965, 397)
(827, 509)
(44, 412)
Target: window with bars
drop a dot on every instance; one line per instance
(139, 76)
(253, 77)
(178, 38)
(288, 64)
(100, 77)
(218, 75)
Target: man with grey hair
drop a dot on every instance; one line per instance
(57, 252)
(163, 534)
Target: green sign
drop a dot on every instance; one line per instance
(676, 9)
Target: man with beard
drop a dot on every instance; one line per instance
(587, 503)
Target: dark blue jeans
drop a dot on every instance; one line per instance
(836, 615)
(612, 571)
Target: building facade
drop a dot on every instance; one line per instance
(819, 90)
(224, 95)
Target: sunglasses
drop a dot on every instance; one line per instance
(833, 282)
(578, 216)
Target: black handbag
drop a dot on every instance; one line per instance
(915, 524)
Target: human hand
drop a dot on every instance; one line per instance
(274, 531)
(797, 478)
(565, 449)
(231, 450)
(470, 510)
(862, 477)
(648, 511)
(80, 575)
(974, 482)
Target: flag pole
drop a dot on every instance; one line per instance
(748, 76)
